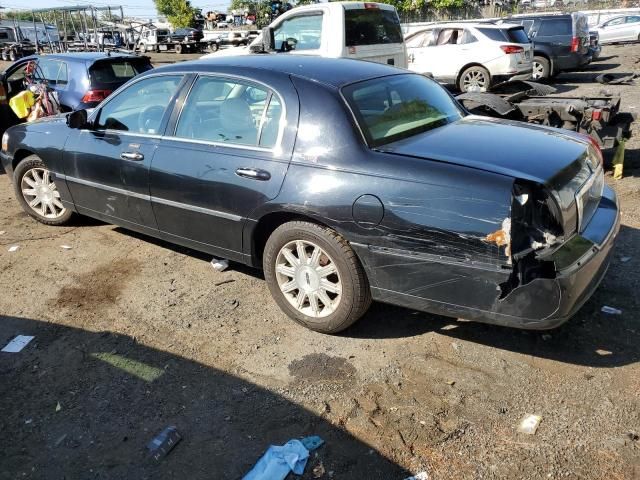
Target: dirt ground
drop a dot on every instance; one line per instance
(133, 334)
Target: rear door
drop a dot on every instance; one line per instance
(12, 83)
(557, 33)
(632, 28)
(226, 154)
(418, 51)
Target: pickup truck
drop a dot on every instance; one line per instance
(361, 31)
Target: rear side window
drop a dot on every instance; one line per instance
(371, 26)
(549, 27)
(225, 111)
(494, 34)
(517, 35)
(303, 32)
(116, 71)
(634, 19)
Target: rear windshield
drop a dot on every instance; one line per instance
(399, 106)
(517, 35)
(371, 26)
(117, 71)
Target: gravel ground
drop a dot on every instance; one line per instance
(133, 334)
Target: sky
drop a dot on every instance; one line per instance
(133, 8)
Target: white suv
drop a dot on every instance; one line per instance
(471, 56)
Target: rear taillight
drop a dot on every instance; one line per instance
(575, 44)
(3, 95)
(95, 96)
(509, 49)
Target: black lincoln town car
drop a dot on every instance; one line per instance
(345, 181)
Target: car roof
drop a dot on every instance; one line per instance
(540, 16)
(85, 56)
(469, 24)
(335, 72)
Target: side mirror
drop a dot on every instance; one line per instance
(77, 119)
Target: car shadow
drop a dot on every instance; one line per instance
(579, 341)
(599, 67)
(80, 404)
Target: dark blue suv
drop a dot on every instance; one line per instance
(82, 80)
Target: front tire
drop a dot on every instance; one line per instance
(38, 194)
(315, 277)
(474, 78)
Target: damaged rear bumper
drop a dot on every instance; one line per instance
(471, 293)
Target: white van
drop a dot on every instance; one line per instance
(362, 31)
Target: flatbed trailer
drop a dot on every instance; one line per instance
(532, 102)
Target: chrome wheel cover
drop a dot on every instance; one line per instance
(41, 194)
(475, 79)
(308, 278)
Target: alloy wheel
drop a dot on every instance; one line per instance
(538, 71)
(473, 80)
(41, 194)
(308, 278)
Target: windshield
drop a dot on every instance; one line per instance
(117, 71)
(399, 106)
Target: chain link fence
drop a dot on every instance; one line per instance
(504, 8)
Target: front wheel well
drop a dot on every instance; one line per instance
(19, 156)
(538, 53)
(266, 226)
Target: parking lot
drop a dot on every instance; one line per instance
(133, 334)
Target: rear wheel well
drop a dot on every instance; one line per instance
(538, 53)
(472, 64)
(267, 224)
(19, 156)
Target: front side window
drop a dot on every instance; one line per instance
(140, 107)
(400, 106)
(615, 21)
(450, 36)
(303, 32)
(371, 26)
(418, 40)
(221, 110)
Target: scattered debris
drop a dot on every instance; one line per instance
(451, 382)
(449, 327)
(17, 344)
(618, 160)
(625, 259)
(633, 436)
(617, 78)
(58, 407)
(60, 440)
(233, 303)
(66, 247)
(455, 346)
(222, 282)
(219, 264)
(28, 421)
(318, 470)
(14, 248)
(546, 336)
(278, 461)
(162, 444)
(603, 353)
(529, 424)
(2, 232)
(419, 476)
(610, 310)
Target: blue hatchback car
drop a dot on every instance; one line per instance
(82, 80)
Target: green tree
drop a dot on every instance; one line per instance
(179, 13)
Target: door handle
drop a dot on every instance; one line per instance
(253, 173)
(135, 156)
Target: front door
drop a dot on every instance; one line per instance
(228, 155)
(107, 165)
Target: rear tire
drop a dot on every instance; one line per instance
(12, 55)
(474, 77)
(38, 194)
(213, 47)
(327, 290)
(541, 68)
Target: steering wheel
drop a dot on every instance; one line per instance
(150, 119)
